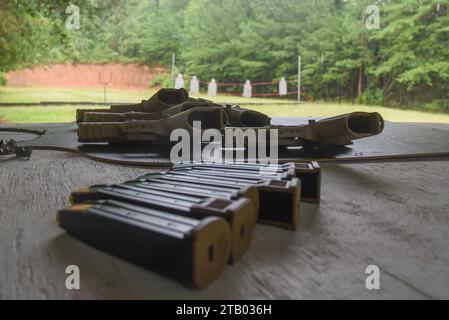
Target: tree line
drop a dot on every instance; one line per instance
(403, 63)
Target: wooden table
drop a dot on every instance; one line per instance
(395, 216)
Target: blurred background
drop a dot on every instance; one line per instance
(388, 56)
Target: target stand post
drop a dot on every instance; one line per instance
(105, 83)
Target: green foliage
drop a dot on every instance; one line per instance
(161, 80)
(2, 79)
(403, 64)
(437, 105)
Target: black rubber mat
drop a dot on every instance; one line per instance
(398, 142)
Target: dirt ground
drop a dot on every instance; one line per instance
(122, 76)
(3, 120)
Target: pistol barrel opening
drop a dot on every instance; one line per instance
(172, 97)
(362, 124)
(209, 119)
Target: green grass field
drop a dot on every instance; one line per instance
(67, 113)
(36, 94)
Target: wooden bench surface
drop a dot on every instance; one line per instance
(393, 215)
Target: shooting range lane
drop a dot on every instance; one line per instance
(394, 215)
(403, 141)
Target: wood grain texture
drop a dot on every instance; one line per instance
(393, 215)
